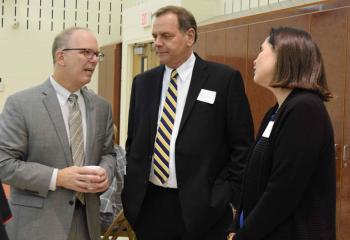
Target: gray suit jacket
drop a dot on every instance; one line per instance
(33, 141)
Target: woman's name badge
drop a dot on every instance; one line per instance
(268, 129)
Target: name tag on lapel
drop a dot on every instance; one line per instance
(206, 96)
(268, 130)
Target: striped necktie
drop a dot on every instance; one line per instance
(76, 135)
(162, 143)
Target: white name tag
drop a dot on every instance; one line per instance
(268, 130)
(207, 96)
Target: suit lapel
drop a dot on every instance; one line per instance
(53, 108)
(156, 90)
(90, 124)
(199, 77)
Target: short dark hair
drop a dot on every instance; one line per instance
(299, 61)
(185, 18)
(62, 39)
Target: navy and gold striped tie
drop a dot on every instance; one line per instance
(162, 144)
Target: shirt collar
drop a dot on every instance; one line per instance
(185, 69)
(62, 93)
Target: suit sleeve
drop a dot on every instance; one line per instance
(108, 160)
(131, 120)
(14, 169)
(240, 134)
(296, 151)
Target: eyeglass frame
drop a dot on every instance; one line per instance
(86, 52)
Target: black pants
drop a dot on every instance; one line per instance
(161, 218)
(3, 235)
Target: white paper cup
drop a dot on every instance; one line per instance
(93, 167)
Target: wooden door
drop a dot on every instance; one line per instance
(144, 58)
(329, 30)
(106, 73)
(199, 47)
(109, 79)
(343, 216)
(153, 60)
(236, 50)
(216, 46)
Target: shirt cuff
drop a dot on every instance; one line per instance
(52, 186)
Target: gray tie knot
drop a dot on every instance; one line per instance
(73, 99)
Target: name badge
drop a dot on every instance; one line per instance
(206, 96)
(268, 129)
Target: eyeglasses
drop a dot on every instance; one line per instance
(88, 53)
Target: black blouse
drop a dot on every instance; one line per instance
(289, 183)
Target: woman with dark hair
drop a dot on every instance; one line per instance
(289, 184)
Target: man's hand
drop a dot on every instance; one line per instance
(83, 179)
(100, 184)
(230, 236)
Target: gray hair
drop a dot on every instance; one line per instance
(62, 39)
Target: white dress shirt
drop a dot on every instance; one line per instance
(183, 84)
(62, 96)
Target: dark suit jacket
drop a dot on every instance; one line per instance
(211, 145)
(289, 184)
(5, 213)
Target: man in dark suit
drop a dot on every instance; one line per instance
(189, 131)
(5, 213)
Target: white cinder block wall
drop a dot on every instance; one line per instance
(27, 29)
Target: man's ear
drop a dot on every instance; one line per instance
(59, 56)
(191, 35)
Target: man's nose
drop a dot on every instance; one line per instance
(157, 41)
(94, 59)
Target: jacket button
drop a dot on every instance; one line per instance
(71, 202)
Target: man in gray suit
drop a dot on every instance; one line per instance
(47, 134)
